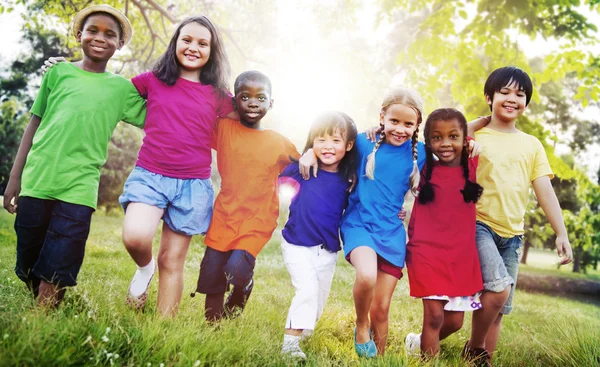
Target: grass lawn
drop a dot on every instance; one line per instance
(95, 327)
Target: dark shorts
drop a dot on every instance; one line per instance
(220, 269)
(51, 236)
(385, 266)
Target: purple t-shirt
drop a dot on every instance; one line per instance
(316, 209)
(179, 126)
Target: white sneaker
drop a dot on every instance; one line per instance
(138, 288)
(291, 347)
(412, 344)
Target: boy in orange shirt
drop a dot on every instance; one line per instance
(246, 210)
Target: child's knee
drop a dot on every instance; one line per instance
(365, 279)
(497, 300)
(379, 312)
(434, 319)
(136, 237)
(453, 324)
(170, 261)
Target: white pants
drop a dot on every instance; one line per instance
(311, 270)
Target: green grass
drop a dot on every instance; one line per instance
(94, 327)
(544, 262)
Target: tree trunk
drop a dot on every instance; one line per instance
(526, 247)
(577, 261)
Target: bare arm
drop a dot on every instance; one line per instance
(13, 188)
(549, 203)
(234, 115)
(477, 124)
(308, 160)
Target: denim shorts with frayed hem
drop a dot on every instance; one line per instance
(51, 237)
(499, 258)
(188, 203)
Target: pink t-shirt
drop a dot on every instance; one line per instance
(179, 126)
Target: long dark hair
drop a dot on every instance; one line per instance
(215, 72)
(472, 190)
(327, 123)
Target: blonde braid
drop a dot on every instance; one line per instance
(415, 176)
(370, 168)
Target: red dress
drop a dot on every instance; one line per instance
(441, 255)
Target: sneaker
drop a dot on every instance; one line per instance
(412, 344)
(479, 357)
(236, 301)
(365, 350)
(291, 347)
(138, 302)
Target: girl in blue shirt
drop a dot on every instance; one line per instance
(373, 235)
(311, 236)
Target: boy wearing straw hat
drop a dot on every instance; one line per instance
(53, 185)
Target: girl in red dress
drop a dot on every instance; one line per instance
(442, 261)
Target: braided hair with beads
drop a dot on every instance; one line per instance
(472, 191)
(410, 98)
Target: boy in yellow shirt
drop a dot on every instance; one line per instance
(510, 161)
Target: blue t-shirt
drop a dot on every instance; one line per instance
(371, 218)
(316, 210)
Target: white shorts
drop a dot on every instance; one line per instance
(311, 270)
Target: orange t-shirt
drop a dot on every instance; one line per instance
(247, 207)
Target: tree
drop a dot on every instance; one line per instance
(12, 125)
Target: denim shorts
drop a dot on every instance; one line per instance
(499, 258)
(220, 269)
(51, 237)
(188, 203)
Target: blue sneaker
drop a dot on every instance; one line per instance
(365, 350)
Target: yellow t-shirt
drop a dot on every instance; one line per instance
(508, 164)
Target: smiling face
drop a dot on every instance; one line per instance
(446, 139)
(508, 103)
(193, 47)
(100, 37)
(399, 123)
(330, 149)
(252, 101)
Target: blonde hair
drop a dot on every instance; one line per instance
(412, 99)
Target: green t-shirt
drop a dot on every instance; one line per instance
(79, 111)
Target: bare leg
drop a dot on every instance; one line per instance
(493, 334)
(139, 228)
(380, 309)
(213, 307)
(364, 260)
(453, 321)
(483, 318)
(294, 332)
(50, 295)
(171, 259)
(433, 320)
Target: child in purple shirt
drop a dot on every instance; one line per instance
(311, 235)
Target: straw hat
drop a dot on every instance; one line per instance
(121, 18)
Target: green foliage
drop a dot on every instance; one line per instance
(122, 154)
(12, 125)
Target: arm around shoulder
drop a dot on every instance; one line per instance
(477, 124)
(551, 207)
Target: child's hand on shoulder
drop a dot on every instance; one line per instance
(402, 214)
(474, 148)
(372, 133)
(563, 246)
(48, 64)
(307, 161)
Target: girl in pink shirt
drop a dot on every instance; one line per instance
(186, 92)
